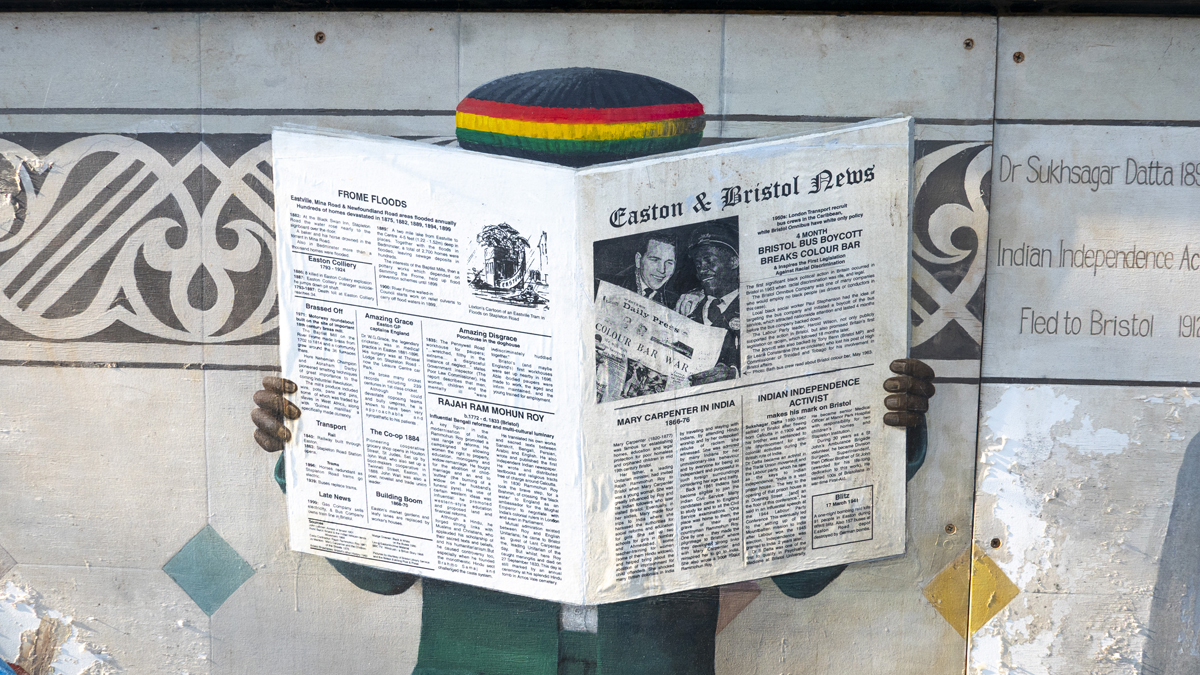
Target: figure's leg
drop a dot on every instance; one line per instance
(666, 635)
(1173, 643)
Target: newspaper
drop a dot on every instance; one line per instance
(599, 384)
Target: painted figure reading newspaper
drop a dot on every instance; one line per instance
(695, 316)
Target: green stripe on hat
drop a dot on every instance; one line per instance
(483, 140)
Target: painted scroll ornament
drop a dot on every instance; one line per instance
(105, 239)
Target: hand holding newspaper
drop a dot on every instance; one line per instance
(598, 384)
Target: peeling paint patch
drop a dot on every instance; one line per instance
(1020, 445)
(1184, 398)
(1076, 485)
(1020, 425)
(1018, 646)
(44, 641)
(16, 617)
(19, 176)
(1091, 441)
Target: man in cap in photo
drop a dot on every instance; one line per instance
(713, 249)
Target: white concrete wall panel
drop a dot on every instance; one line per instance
(100, 73)
(376, 73)
(366, 61)
(680, 49)
(1070, 209)
(1097, 68)
(101, 466)
(860, 65)
(82, 61)
(1087, 477)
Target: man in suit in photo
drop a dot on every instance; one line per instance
(653, 267)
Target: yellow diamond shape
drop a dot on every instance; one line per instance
(970, 591)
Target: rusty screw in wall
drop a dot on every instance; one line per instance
(995, 542)
(1018, 57)
(319, 37)
(968, 44)
(951, 529)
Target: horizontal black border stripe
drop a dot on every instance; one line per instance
(1098, 123)
(232, 112)
(834, 119)
(1068, 381)
(955, 380)
(161, 365)
(729, 117)
(984, 7)
(404, 112)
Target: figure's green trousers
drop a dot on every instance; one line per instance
(467, 630)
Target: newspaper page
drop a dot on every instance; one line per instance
(436, 350)
(789, 259)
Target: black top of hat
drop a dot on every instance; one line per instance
(711, 233)
(581, 88)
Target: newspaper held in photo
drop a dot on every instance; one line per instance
(643, 347)
(735, 307)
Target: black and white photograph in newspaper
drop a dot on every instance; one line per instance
(692, 272)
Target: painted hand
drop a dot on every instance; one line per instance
(909, 393)
(272, 408)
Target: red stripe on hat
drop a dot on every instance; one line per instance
(532, 113)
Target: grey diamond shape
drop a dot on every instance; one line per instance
(7, 562)
(208, 570)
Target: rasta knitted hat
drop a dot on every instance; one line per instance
(579, 116)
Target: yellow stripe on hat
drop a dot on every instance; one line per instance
(580, 132)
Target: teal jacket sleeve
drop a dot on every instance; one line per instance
(810, 582)
(383, 582)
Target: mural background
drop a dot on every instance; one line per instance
(1082, 437)
(139, 528)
